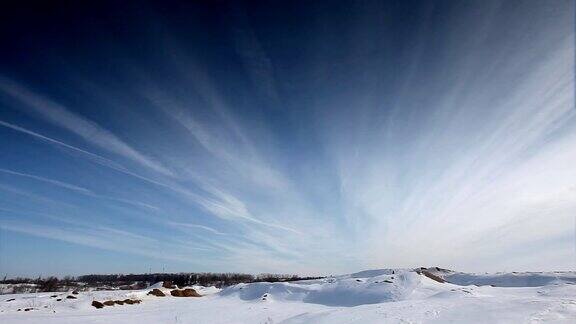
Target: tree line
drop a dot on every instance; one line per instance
(141, 281)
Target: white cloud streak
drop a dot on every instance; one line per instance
(86, 129)
(51, 181)
(206, 228)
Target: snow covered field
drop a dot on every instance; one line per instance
(375, 296)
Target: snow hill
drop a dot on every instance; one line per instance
(369, 287)
(424, 295)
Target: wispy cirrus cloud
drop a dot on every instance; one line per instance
(218, 203)
(78, 189)
(445, 138)
(50, 181)
(101, 238)
(193, 226)
(79, 125)
(94, 157)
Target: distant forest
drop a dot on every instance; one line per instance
(141, 281)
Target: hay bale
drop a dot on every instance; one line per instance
(168, 284)
(188, 292)
(176, 293)
(97, 304)
(156, 292)
(131, 301)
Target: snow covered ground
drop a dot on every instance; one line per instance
(375, 296)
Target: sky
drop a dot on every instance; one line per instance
(311, 137)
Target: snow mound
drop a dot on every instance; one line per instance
(527, 279)
(367, 287)
(508, 279)
(205, 291)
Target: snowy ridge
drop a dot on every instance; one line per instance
(367, 287)
(505, 279)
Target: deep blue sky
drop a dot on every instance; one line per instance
(286, 136)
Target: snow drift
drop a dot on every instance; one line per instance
(367, 287)
(504, 279)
